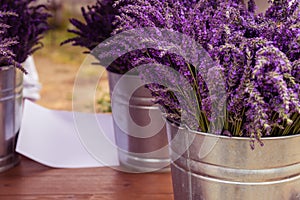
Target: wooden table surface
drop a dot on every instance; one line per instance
(30, 181)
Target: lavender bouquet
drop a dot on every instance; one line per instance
(27, 24)
(98, 26)
(258, 55)
(6, 54)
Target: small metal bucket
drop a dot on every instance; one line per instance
(10, 115)
(211, 167)
(139, 127)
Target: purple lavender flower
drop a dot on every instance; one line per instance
(258, 55)
(97, 27)
(28, 25)
(101, 19)
(6, 54)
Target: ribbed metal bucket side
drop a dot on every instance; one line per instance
(141, 137)
(10, 114)
(231, 170)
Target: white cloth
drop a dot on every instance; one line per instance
(31, 85)
(52, 138)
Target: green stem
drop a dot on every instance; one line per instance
(274, 129)
(202, 118)
(288, 129)
(296, 125)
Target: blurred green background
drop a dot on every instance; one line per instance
(58, 65)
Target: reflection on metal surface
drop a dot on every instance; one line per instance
(232, 170)
(10, 114)
(138, 124)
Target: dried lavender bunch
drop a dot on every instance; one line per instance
(280, 25)
(6, 54)
(175, 16)
(27, 27)
(258, 55)
(98, 23)
(98, 26)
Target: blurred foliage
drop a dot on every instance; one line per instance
(68, 55)
(103, 104)
(61, 54)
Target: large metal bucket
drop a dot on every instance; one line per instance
(210, 167)
(139, 128)
(10, 115)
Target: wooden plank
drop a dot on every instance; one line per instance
(31, 180)
(88, 197)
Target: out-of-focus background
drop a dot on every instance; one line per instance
(58, 65)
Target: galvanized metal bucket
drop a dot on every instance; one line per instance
(228, 169)
(139, 127)
(10, 115)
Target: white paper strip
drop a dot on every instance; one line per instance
(50, 137)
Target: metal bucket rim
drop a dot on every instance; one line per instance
(184, 127)
(6, 67)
